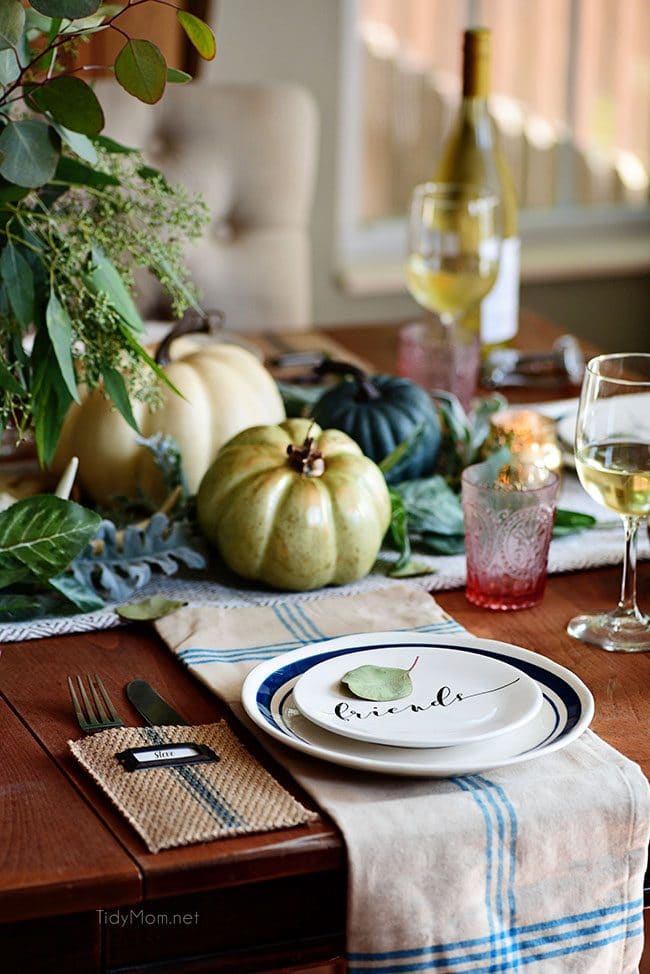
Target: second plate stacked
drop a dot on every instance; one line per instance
(455, 698)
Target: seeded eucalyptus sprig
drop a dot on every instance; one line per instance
(78, 212)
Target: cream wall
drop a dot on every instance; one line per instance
(299, 40)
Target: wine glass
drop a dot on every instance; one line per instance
(452, 264)
(454, 244)
(612, 451)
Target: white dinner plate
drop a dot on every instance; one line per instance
(457, 697)
(625, 424)
(566, 712)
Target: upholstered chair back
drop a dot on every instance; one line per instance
(251, 151)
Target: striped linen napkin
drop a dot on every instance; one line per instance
(538, 866)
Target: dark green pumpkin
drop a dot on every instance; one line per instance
(379, 413)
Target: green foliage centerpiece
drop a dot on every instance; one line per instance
(78, 212)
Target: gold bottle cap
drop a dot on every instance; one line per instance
(476, 62)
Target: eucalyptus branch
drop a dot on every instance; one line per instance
(61, 39)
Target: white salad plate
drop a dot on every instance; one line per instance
(457, 698)
(566, 711)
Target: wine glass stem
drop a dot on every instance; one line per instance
(447, 319)
(627, 604)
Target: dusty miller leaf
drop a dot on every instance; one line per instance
(167, 456)
(119, 563)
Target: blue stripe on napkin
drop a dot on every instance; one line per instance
(298, 625)
(507, 947)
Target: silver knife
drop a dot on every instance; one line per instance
(151, 706)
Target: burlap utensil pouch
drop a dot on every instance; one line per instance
(176, 806)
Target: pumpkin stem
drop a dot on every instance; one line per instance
(193, 322)
(306, 459)
(366, 390)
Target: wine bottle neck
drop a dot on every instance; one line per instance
(476, 63)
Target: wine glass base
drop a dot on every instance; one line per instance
(628, 633)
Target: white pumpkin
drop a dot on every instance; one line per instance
(226, 390)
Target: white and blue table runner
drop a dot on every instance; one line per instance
(536, 867)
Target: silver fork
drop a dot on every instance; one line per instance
(100, 717)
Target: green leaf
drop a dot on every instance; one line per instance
(151, 362)
(80, 144)
(431, 505)
(199, 34)
(9, 383)
(36, 21)
(443, 544)
(9, 67)
(50, 396)
(40, 536)
(81, 595)
(105, 279)
(110, 145)
(18, 607)
(568, 522)
(89, 24)
(30, 152)
(9, 193)
(71, 9)
(77, 174)
(153, 175)
(402, 450)
(72, 103)
(379, 682)
(398, 528)
(410, 569)
(19, 283)
(165, 270)
(12, 23)
(176, 77)
(59, 328)
(142, 70)
(573, 519)
(49, 409)
(116, 389)
(154, 607)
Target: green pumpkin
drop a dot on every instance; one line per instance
(379, 413)
(295, 507)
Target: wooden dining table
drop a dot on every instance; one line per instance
(78, 889)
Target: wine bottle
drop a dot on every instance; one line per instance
(472, 155)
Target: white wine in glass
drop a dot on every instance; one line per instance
(453, 246)
(612, 451)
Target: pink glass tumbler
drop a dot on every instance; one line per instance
(507, 536)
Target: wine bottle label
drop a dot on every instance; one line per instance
(500, 309)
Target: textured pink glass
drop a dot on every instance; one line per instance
(507, 535)
(438, 356)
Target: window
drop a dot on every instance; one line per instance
(571, 99)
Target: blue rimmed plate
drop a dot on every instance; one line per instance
(566, 712)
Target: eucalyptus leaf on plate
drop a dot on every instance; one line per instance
(379, 683)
